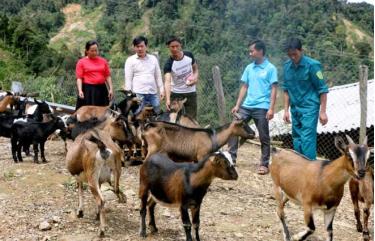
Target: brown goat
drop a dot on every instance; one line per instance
(315, 184)
(10, 100)
(363, 191)
(180, 184)
(93, 157)
(175, 115)
(190, 144)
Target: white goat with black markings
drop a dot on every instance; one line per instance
(315, 184)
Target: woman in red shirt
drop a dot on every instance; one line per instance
(94, 81)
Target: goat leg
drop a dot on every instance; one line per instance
(116, 188)
(95, 190)
(80, 198)
(35, 147)
(328, 221)
(196, 221)
(19, 152)
(151, 211)
(143, 212)
(281, 201)
(14, 149)
(42, 152)
(186, 222)
(354, 192)
(309, 221)
(366, 215)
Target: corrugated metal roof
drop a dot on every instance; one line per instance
(343, 110)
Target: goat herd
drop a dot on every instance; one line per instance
(180, 160)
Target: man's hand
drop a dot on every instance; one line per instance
(162, 95)
(323, 118)
(286, 117)
(235, 109)
(168, 104)
(269, 115)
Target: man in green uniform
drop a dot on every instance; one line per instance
(305, 91)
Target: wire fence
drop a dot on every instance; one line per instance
(231, 65)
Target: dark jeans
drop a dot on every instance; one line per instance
(190, 104)
(259, 117)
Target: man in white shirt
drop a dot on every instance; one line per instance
(143, 75)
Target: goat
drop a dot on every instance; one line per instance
(175, 115)
(190, 144)
(130, 103)
(93, 157)
(23, 134)
(8, 99)
(38, 110)
(363, 191)
(183, 185)
(315, 184)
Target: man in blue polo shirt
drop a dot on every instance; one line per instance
(305, 91)
(256, 100)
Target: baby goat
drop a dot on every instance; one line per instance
(93, 157)
(315, 184)
(363, 191)
(183, 185)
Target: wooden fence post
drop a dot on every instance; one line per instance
(363, 76)
(219, 94)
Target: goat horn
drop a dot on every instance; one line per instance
(350, 140)
(365, 141)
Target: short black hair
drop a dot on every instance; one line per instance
(172, 39)
(91, 43)
(139, 39)
(259, 45)
(292, 44)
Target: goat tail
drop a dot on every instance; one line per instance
(104, 152)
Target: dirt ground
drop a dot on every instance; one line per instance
(232, 210)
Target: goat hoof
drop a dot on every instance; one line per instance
(80, 214)
(143, 234)
(153, 229)
(45, 161)
(366, 236)
(359, 228)
(122, 199)
(101, 233)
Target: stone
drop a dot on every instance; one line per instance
(44, 226)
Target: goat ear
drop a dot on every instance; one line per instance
(340, 144)
(350, 140)
(184, 100)
(36, 101)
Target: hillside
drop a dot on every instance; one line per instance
(78, 28)
(48, 36)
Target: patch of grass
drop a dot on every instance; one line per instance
(9, 175)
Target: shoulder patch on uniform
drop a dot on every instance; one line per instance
(319, 74)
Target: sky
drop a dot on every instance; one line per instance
(358, 1)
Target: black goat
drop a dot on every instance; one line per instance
(180, 184)
(25, 133)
